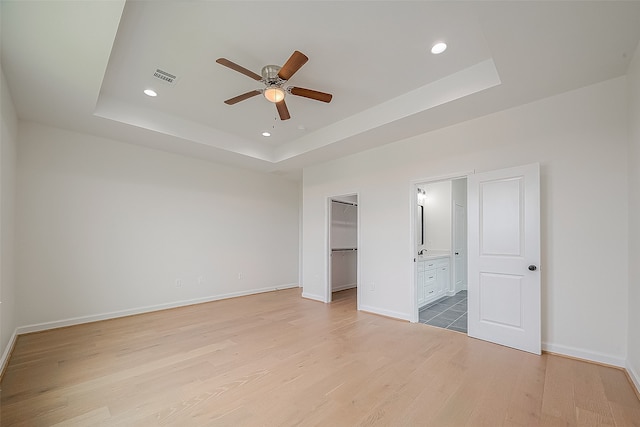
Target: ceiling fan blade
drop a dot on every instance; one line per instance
(283, 110)
(312, 94)
(242, 97)
(238, 68)
(293, 64)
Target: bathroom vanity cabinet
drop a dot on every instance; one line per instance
(433, 278)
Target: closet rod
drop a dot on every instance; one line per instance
(345, 203)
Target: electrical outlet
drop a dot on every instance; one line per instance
(200, 280)
(372, 286)
(178, 283)
(240, 276)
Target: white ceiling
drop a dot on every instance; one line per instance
(84, 65)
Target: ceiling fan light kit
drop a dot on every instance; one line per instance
(274, 94)
(274, 79)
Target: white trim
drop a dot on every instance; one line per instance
(412, 255)
(344, 287)
(413, 185)
(328, 286)
(300, 229)
(123, 313)
(635, 378)
(580, 353)
(328, 281)
(7, 351)
(313, 297)
(448, 177)
(387, 313)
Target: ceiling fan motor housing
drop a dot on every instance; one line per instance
(270, 75)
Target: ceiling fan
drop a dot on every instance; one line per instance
(274, 79)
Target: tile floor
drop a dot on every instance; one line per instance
(448, 313)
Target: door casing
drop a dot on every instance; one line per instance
(413, 238)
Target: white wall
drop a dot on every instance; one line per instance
(8, 138)
(633, 356)
(437, 216)
(106, 228)
(580, 140)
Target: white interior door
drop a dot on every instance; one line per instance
(504, 257)
(459, 246)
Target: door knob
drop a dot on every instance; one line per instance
(457, 253)
(532, 267)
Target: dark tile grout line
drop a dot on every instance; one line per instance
(449, 326)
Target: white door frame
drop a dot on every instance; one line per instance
(328, 284)
(413, 244)
(454, 236)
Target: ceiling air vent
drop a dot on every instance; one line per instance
(164, 76)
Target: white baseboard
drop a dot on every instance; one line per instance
(387, 313)
(122, 313)
(7, 352)
(579, 353)
(635, 378)
(344, 287)
(313, 296)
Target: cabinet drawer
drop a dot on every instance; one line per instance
(442, 262)
(430, 289)
(429, 264)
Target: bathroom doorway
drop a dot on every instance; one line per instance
(343, 248)
(441, 253)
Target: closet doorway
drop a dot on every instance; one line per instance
(342, 275)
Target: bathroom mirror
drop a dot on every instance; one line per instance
(421, 228)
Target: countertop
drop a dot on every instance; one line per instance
(433, 255)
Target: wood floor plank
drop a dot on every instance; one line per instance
(496, 392)
(626, 416)
(92, 417)
(277, 359)
(525, 401)
(558, 403)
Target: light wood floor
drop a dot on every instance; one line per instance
(276, 359)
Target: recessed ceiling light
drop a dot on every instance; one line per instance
(266, 134)
(150, 92)
(438, 48)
